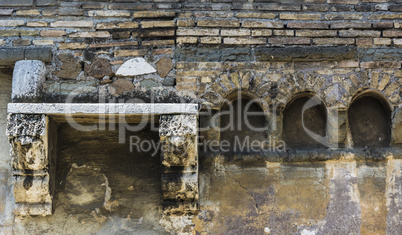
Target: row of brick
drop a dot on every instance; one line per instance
(78, 8)
(363, 42)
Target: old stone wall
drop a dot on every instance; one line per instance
(207, 52)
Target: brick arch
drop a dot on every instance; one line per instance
(369, 119)
(314, 119)
(228, 84)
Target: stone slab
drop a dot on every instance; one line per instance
(134, 67)
(60, 108)
(28, 79)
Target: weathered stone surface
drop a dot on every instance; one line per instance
(31, 189)
(178, 125)
(164, 66)
(98, 68)
(70, 69)
(32, 156)
(29, 209)
(28, 79)
(397, 126)
(20, 125)
(136, 66)
(120, 86)
(183, 187)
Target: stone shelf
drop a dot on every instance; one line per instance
(90, 109)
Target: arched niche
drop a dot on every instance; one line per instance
(370, 121)
(242, 123)
(295, 135)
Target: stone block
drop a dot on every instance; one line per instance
(28, 79)
(72, 24)
(31, 189)
(26, 209)
(11, 23)
(182, 187)
(248, 41)
(396, 128)
(136, 66)
(178, 125)
(31, 156)
(286, 16)
(92, 34)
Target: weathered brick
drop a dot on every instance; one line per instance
(348, 64)
(18, 32)
(93, 5)
(315, 7)
(266, 7)
(154, 33)
(353, 25)
(6, 3)
(359, 33)
(341, 8)
(120, 25)
(21, 42)
(334, 41)
(36, 24)
(298, 16)
(211, 40)
(72, 24)
(235, 32)
(289, 41)
(6, 12)
(195, 32)
(218, 23)
(11, 23)
(392, 33)
(157, 24)
(211, 14)
(256, 15)
(365, 7)
(52, 33)
(47, 42)
(380, 64)
(44, 3)
(190, 87)
(154, 14)
(397, 41)
(382, 41)
(364, 42)
(316, 33)
(395, 7)
(70, 12)
(162, 51)
(109, 13)
(121, 35)
(124, 53)
(185, 23)
(157, 43)
(72, 46)
(343, 1)
(261, 32)
(113, 44)
(31, 12)
(285, 33)
(385, 16)
(261, 24)
(346, 16)
(93, 34)
(189, 40)
(2, 42)
(131, 6)
(383, 25)
(308, 25)
(244, 41)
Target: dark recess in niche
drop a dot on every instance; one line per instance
(315, 120)
(370, 122)
(237, 128)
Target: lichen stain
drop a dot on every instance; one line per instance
(371, 185)
(247, 200)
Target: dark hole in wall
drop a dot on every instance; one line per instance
(315, 120)
(370, 122)
(242, 122)
(92, 164)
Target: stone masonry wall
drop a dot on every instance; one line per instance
(203, 52)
